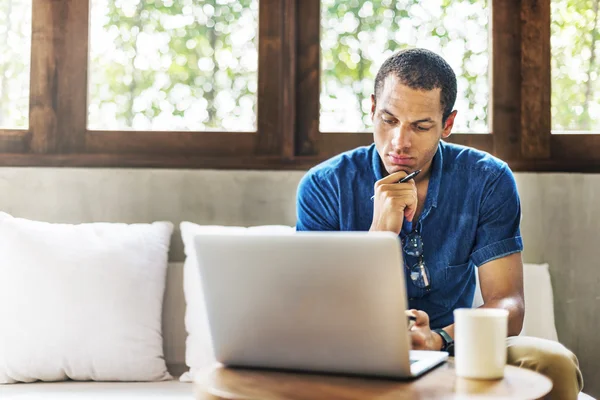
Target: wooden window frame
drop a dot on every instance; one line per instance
(58, 134)
(287, 135)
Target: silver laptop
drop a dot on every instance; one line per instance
(331, 302)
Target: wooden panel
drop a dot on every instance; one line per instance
(331, 144)
(59, 52)
(505, 72)
(245, 161)
(554, 165)
(248, 162)
(484, 142)
(184, 143)
(43, 87)
(288, 117)
(575, 147)
(570, 153)
(535, 78)
(307, 78)
(270, 77)
(14, 141)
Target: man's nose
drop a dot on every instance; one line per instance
(401, 138)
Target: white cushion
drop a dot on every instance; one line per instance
(199, 352)
(81, 302)
(539, 302)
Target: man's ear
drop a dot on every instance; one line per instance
(449, 124)
(373, 107)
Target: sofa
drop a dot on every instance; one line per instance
(89, 196)
(539, 322)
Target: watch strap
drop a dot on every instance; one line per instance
(447, 339)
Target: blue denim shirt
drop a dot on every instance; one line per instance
(471, 216)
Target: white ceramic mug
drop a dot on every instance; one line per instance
(480, 342)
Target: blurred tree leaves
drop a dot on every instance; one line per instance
(191, 64)
(575, 65)
(15, 54)
(180, 65)
(358, 35)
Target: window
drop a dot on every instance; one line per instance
(179, 65)
(15, 48)
(285, 83)
(357, 36)
(162, 83)
(575, 66)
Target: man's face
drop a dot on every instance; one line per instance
(408, 126)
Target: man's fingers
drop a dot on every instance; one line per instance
(394, 188)
(392, 178)
(422, 318)
(417, 340)
(409, 213)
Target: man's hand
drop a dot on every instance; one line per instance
(422, 337)
(393, 202)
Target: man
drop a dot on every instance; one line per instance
(459, 216)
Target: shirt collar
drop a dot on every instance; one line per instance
(436, 177)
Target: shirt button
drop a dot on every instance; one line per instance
(411, 298)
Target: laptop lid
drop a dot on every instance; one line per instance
(315, 301)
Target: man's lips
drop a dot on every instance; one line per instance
(400, 160)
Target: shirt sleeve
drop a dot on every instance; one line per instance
(316, 205)
(498, 231)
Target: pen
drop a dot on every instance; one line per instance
(411, 321)
(406, 178)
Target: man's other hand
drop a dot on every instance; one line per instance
(422, 337)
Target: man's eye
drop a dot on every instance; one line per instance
(422, 129)
(388, 121)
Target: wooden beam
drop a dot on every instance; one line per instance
(155, 161)
(535, 79)
(270, 77)
(288, 79)
(14, 141)
(307, 78)
(483, 142)
(504, 73)
(43, 79)
(59, 52)
(575, 146)
(221, 144)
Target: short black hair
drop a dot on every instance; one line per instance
(421, 69)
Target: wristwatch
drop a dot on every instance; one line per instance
(448, 342)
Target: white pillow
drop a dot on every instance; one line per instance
(199, 353)
(539, 302)
(82, 302)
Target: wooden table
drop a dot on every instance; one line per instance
(440, 383)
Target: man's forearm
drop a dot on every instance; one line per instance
(515, 316)
(516, 313)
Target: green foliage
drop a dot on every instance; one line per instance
(197, 75)
(15, 51)
(198, 58)
(357, 36)
(575, 65)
